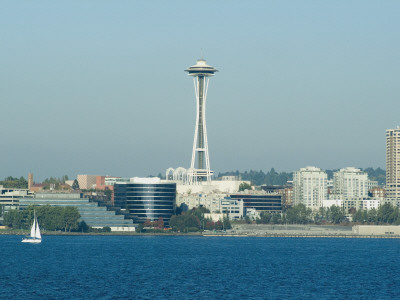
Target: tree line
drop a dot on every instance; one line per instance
(14, 183)
(299, 214)
(273, 177)
(193, 220)
(49, 217)
(385, 214)
(259, 177)
(55, 182)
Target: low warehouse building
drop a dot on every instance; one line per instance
(376, 230)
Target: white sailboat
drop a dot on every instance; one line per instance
(35, 237)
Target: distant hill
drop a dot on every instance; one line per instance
(259, 177)
(280, 178)
(14, 183)
(376, 174)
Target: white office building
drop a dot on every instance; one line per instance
(310, 187)
(361, 203)
(219, 204)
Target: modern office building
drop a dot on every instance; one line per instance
(270, 202)
(350, 183)
(310, 187)
(393, 164)
(232, 208)
(200, 165)
(217, 203)
(211, 201)
(93, 215)
(146, 198)
(9, 197)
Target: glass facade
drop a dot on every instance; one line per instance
(146, 201)
(94, 215)
(267, 202)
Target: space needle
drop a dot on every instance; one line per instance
(200, 165)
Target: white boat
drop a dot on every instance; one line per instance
(35, 236)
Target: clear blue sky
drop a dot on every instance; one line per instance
(98, 87)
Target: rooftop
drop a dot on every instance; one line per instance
(201, 68)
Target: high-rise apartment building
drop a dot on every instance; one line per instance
(393, 164)
(310, 187)
(350, 183)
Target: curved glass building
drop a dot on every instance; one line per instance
(146, 200)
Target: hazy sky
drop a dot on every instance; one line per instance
(98, 87)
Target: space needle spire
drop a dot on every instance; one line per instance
(200, 165)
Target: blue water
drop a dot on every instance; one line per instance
(129, 267)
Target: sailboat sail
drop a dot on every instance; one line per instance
(37, 233)
(33, 229)
(35, 237)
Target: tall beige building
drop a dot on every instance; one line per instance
(393, 164)
(86, 182)
(310, 187)
(350, 182)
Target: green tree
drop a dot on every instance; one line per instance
(14, 183)
(106, 229)
(70, 218)
(15, 219)
(298, 214)
(335, 214)
(192, 221)
(139, 228)
(83, 227)
(376, 174)
(244, 186)
(226, 223)
(357, 216)
(198, 212)
(276, 218)
(75, 185)
(371, 216)
(387, 214)
(64, 179)
(265, 217)
(177, 223)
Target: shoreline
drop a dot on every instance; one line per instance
(209, 234)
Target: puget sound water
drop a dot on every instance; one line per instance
(184, 267)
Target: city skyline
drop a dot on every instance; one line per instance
(100, 89)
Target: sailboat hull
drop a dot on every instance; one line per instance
(35, 237)
(32, 241)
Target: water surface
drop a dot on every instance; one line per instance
(141, 267)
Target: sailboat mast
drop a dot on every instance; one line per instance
(34, 222)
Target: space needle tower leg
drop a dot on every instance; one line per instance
(200, 171)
